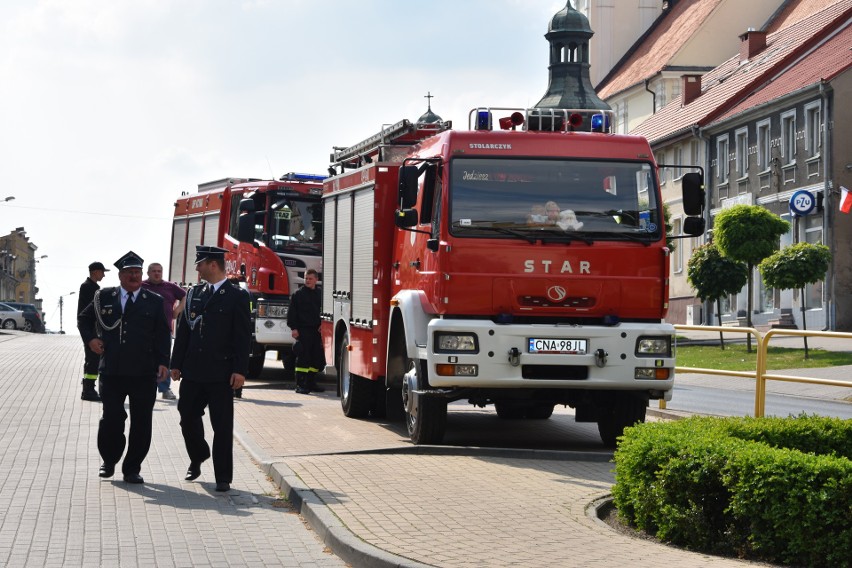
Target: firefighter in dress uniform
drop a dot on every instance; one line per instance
(211, 355)
(92, 360)
(126, 327)
(303, 318)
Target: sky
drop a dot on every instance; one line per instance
(110, 109)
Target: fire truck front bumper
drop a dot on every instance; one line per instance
(484, 354)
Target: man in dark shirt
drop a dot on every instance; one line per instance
(90, 365)
(303, 318)
(173, 296)
(127, 328)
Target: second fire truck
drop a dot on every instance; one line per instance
(272, 230)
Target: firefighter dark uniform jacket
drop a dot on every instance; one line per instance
(305, 307)
(213, 337)
(136, 339)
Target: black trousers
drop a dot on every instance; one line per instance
(91, 363)
(310, 355)
(142, 392)
(195, 396)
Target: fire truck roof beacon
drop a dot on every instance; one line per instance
(483, 120)
(294, 176)
(600, 123)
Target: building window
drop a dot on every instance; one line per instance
(812, 129)
(722, 159)
(742, 152)
(788, 136)
(678, 159)
(660, 92)
(764, 153)
(813, 235)
(694, 153)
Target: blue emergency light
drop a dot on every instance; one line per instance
(293, 176)
(483, 120)
(600, 123)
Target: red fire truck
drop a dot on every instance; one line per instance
(272, 230)
(524, 266)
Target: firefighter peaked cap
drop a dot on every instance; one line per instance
(129, 260)
(204, 252)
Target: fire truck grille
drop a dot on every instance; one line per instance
(567, 302)
(555, 372)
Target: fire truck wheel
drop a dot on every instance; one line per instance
(540, 411)
(425, 416)
(625, 410)
(356, 393)
(508, 410)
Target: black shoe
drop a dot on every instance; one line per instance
(316, 388)
(90, 395)
(193, 471)
(133, 478)
(222, 486)
(107, 470)
(303, 390)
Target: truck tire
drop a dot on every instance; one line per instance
(625, 410)
(510, 410)
(540, 411)
(356, 393)
(428, 421)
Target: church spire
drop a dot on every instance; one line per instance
(570, 86)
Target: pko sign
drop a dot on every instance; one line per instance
(802, 203)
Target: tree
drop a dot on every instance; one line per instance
(713, 276)
(794, 267)
(748, 233)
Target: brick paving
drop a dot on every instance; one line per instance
(56, 511)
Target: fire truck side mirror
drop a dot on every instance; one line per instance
(245, 223)
(405, 218)
(408, 176)
(693, 226)
(692, 185)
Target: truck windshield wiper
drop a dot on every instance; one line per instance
(503, 230)
(621, 236)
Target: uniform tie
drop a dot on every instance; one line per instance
(129, 303)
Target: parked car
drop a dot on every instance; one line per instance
(10, 318)
(35, 321)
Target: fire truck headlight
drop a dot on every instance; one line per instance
(652, 373)
(456, 343)
(654, 346)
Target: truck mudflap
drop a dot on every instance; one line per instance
(484, 355)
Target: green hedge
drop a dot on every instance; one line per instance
(772, 489)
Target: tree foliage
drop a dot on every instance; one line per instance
(712, 275)
(795, 266)
(748, 233)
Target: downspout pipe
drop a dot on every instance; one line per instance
(653, 97)
(825, 92)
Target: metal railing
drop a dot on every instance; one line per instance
(759, 374)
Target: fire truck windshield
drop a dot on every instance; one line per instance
(294, 225)
(554, 198)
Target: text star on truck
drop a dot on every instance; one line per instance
(523, 268)
(272, 232)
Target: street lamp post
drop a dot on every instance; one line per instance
(60, 310)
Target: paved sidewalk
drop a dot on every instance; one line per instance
(56, 511)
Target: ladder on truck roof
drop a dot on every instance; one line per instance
(403, 132)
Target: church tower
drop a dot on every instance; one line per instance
(570, 86)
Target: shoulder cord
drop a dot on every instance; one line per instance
(192, 322)
(101, 325)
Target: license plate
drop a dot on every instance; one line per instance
(561, 346)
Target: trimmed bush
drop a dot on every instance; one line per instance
(772, 489)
